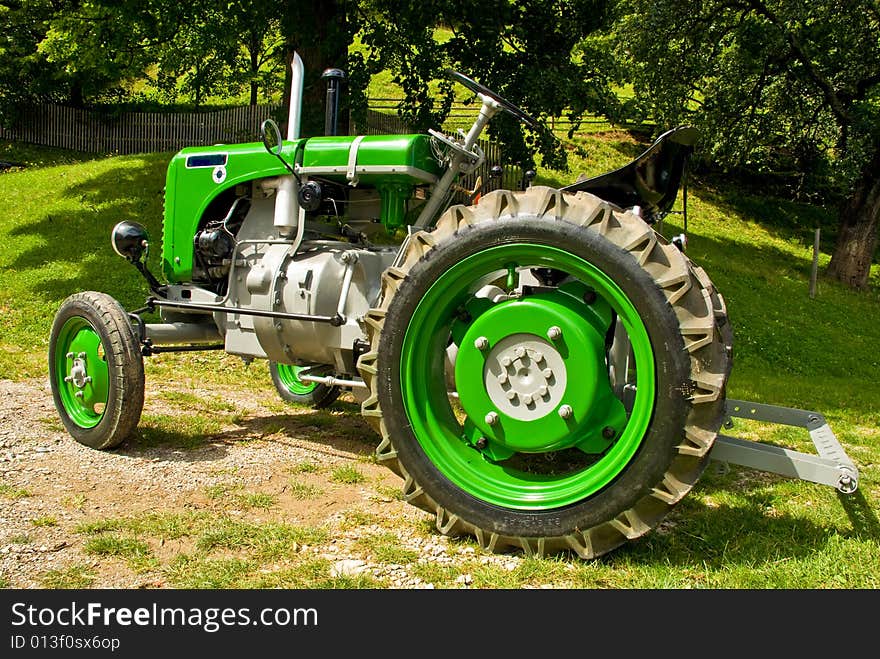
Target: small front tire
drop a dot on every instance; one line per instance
(96, 370)
(285, 377)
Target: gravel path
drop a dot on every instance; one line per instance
(50, 486)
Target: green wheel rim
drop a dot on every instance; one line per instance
(81, 373)
(443, 437)
(288, 375)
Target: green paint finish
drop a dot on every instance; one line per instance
(450, 445)
(289, 376)
(373, 151)
(582, 348)
(189, 190)
(79, 338)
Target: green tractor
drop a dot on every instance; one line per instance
(546, 370)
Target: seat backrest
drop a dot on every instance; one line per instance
(651, 180)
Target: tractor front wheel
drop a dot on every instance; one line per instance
(285, 377)
(96, 370)
(547, 373)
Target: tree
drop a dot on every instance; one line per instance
(532, 53)
(772, 82)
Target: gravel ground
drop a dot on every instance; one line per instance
(51, 485)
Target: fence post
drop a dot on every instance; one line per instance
(814, 274)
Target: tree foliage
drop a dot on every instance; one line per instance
(775, 86)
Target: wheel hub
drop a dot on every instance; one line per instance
(531, 377)
(78, 374)
(525, 377)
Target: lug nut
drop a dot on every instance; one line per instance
(547, 373)
(565, 411)
(70, 355)
(491, 418)
(481, 343)
(512, 394)
(502, 377)
(608, 432)
(87, 379)
(78, 394)
(527, 399)
(68, 378)
(542, 390)
(590, 297)
(537, 356)
(82, 355)
(554, 332)
(520, 352)
(481, 443)
(505, 361)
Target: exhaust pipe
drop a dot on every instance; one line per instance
(286, 205)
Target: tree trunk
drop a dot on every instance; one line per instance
(254, 56)
(857, 237)
(317, 31)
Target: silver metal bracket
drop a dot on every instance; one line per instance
(832, 466)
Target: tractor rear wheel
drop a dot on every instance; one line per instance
(547, 373)
(96, 370)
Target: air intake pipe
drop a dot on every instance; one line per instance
(334, 78)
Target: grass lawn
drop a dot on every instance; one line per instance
(746, 529)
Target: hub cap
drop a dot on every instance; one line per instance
(81, 370)
(289, 376)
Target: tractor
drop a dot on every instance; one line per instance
(545, 370)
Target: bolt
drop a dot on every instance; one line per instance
(68, 378)
(481, 343)
(520, 352)
(608, 432)
(505, 361)
(82, 355)
(542, 391)
(537, 356)
(87, 379)
(554, 332)
(502, 377)
(491, 418)
(481, 443)
(78, 394)
(278, 326)
(590, 297)
(527, 399)
(512, 394)
(547, 373)
(565, 411)
(70, 355)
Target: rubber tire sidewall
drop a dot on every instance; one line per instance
(125, 364)
(321, 396)
(672, 366)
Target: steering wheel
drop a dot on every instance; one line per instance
(506, 105)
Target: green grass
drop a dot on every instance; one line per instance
(741, 529)
(72, 576)
(347, 474)
(8, 491)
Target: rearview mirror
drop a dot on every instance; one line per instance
(271, 136)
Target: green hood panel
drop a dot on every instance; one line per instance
(196, 175)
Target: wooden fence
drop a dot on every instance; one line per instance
(134, 132)
(146, 132)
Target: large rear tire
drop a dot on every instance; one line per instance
(550, 442)
(96, 370)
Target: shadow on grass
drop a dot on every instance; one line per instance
(749, 534)
(81, 238)
(322, 429)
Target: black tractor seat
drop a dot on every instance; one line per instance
(651, 181)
